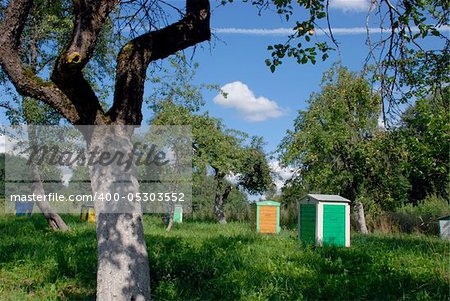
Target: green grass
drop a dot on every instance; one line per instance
(205, 261)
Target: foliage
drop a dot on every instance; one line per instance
(292, 190)
(401, 61)
(219, 153)
(203, 193)
(338, 147)
(426, 131)
(46, 32)
(175, 84)
(255, 173)
(204, 261)
(19, 169)
(385, 184)
(38, 113)
(421, 217)
(219, 148)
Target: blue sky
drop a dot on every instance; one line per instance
(261, 102)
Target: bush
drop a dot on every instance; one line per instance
(288, 215)
(234, 211)
(422, 217)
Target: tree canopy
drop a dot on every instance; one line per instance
(65, 53)
(338, 145)
(69, 91)
(426, 133)
(221, 151)
(399, 60)
(332, 142)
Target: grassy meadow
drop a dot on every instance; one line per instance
(207, 261)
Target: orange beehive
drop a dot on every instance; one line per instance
(267, 217)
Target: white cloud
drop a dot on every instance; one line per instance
(288, 31)
(350, 5)
(67, 174)
(251, 108)
(282, 174)
(342, 31)
(232, 178)
(255, 31)
(381, 125)
(2, 144)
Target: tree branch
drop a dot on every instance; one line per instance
(24, 80)
(90, 16)
(136, 55)
(10, 108)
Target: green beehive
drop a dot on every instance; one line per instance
(324, 220)
(178, 214)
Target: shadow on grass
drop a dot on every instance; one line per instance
(238, 268)
(411, 243)
(186, 264)
(69, 259)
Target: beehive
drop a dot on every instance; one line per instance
(178, 214)
(24, 208)
(444, 227)
(87, 213)
(266, 217)
(324, 220)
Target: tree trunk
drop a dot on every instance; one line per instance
(220, 199)
(170, 221)
(359, 208)
(54, 220)
(361, 218)
(123, 271)
(218, 209)
(171, 204)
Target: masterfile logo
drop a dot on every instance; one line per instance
(110, 167)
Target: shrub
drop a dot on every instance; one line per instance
(288, 215)
(422, 217)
